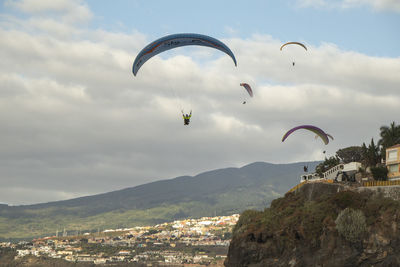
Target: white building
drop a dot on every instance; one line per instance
(340, 172)
(393, 162)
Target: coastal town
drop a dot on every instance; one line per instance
(201, 241)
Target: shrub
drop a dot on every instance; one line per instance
(247, 218)
(379, 173)
(351, 224)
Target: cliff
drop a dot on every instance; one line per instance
(320, 225)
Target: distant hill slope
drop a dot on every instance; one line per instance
(217, 192)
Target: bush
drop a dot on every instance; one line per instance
(351, 224)
(379, 173)
(247, 218)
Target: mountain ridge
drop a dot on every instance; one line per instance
(183, 177)
(221, 191)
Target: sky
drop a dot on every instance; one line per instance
(74, 121)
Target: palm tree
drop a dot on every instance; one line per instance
(373, 153)
(370, 154)
(389, 136)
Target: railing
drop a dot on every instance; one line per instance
(329, 174)
(334, 170)
(380, 183)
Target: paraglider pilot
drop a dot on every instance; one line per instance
(186, 117)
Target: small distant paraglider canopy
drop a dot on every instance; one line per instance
(312, 128)
(296, 43)
(177, 40)
(248, 88)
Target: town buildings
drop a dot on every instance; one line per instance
(200, 241)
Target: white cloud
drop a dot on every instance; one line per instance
(313, 3)
(378, 5)
(24, 195)
(231, 125)
(231, 31)
(68, 10)
(389, 5)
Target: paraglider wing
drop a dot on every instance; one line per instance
(330, 136)
(248, 88)
(297, 43)
(176, 40)
(312, 128)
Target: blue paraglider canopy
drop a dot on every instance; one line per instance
(176, 40)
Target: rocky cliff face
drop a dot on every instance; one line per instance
(320, 225)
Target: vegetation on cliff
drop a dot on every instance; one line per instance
(310, 226)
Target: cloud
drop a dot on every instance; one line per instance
(231, 31)
(75, 121)
(24, 195)
(69, 10)
(313, 3)
(344, 69)
(378, 5)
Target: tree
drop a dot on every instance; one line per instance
(364, 155)
(349, 154)
(373, 153)
(390, 135)
(370, 155)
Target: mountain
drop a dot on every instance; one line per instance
(218, 192)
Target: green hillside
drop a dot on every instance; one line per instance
(219, 192)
